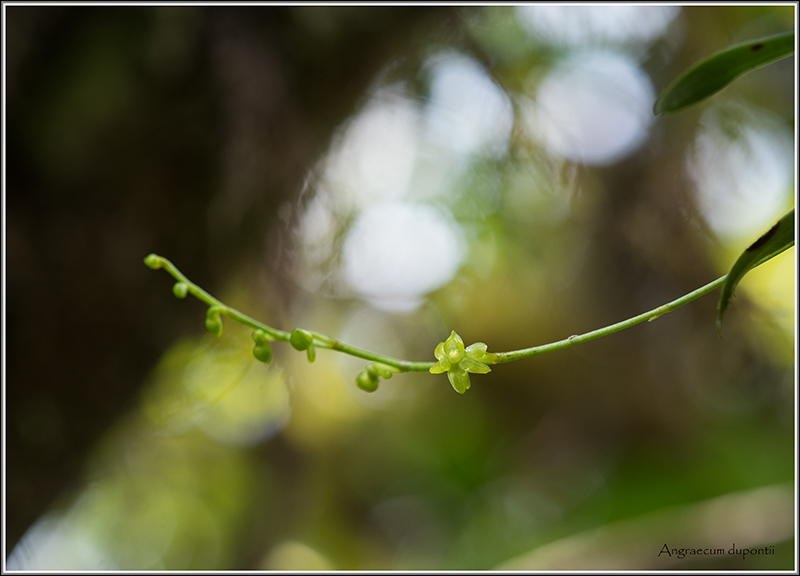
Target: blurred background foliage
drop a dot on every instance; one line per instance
(385, 175)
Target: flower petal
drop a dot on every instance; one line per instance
(478, 352)
(472, 365)
(439, 352)
(439, 367)
(459, 379)
(478, 346)
(454, 346)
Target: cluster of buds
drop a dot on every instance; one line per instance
(451, 355)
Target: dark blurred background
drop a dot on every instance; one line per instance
(281, 156)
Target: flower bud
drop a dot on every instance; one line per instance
(366, 381)
(383, 370)
(260, 337)
(312, 354)
(213, 322)
(301, 339)
(153, 261)
(180, 289)
(263, 352)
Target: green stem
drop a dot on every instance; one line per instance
(577, 339)
(323, 341)
(320, 340)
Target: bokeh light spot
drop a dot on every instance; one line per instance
(743, 166)
(374, 158)
(573, 25)
(396, 252)
(593, 107)
(467, 112)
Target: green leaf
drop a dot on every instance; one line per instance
(713, 74)
(774, 241)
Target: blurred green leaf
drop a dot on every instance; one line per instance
(774, 241)
(713, 74)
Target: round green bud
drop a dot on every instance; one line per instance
(383, 371)
(260, 337)
(367, 382)
(180, 289)
(262, 352)
(312, 354)
(153, 261)
(301, 339)
(214, 326)
(213, 322)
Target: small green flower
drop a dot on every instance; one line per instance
(458, 361)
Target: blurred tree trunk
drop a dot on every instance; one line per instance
(177, 130)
